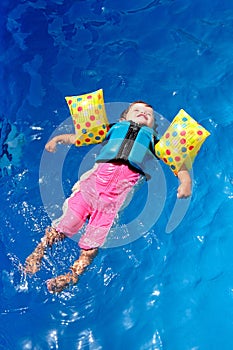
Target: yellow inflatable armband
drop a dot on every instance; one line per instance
(181, 142)
(89, 117)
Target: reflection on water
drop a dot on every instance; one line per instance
(11, 143)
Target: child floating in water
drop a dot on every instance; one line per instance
(102, 191)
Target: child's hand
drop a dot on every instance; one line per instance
(184, 190)
(51, 146)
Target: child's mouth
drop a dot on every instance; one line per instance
(143, 116)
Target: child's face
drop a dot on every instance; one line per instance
(141, 114)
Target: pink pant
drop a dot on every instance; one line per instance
(99, 199)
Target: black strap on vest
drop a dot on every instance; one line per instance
(128, 141)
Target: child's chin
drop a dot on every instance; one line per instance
(141, 121)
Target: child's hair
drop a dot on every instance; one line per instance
(124, 113)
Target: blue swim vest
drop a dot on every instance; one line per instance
(127, 141)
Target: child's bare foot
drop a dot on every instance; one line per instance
(31, 266)
(57, 284)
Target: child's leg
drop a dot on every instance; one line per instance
(57, 284)
(70, 223)
(33, 261)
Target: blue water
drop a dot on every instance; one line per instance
(163, 291)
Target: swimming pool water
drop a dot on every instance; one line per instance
(162, 291)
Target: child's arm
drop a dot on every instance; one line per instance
(184, 189)
(68, 139)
